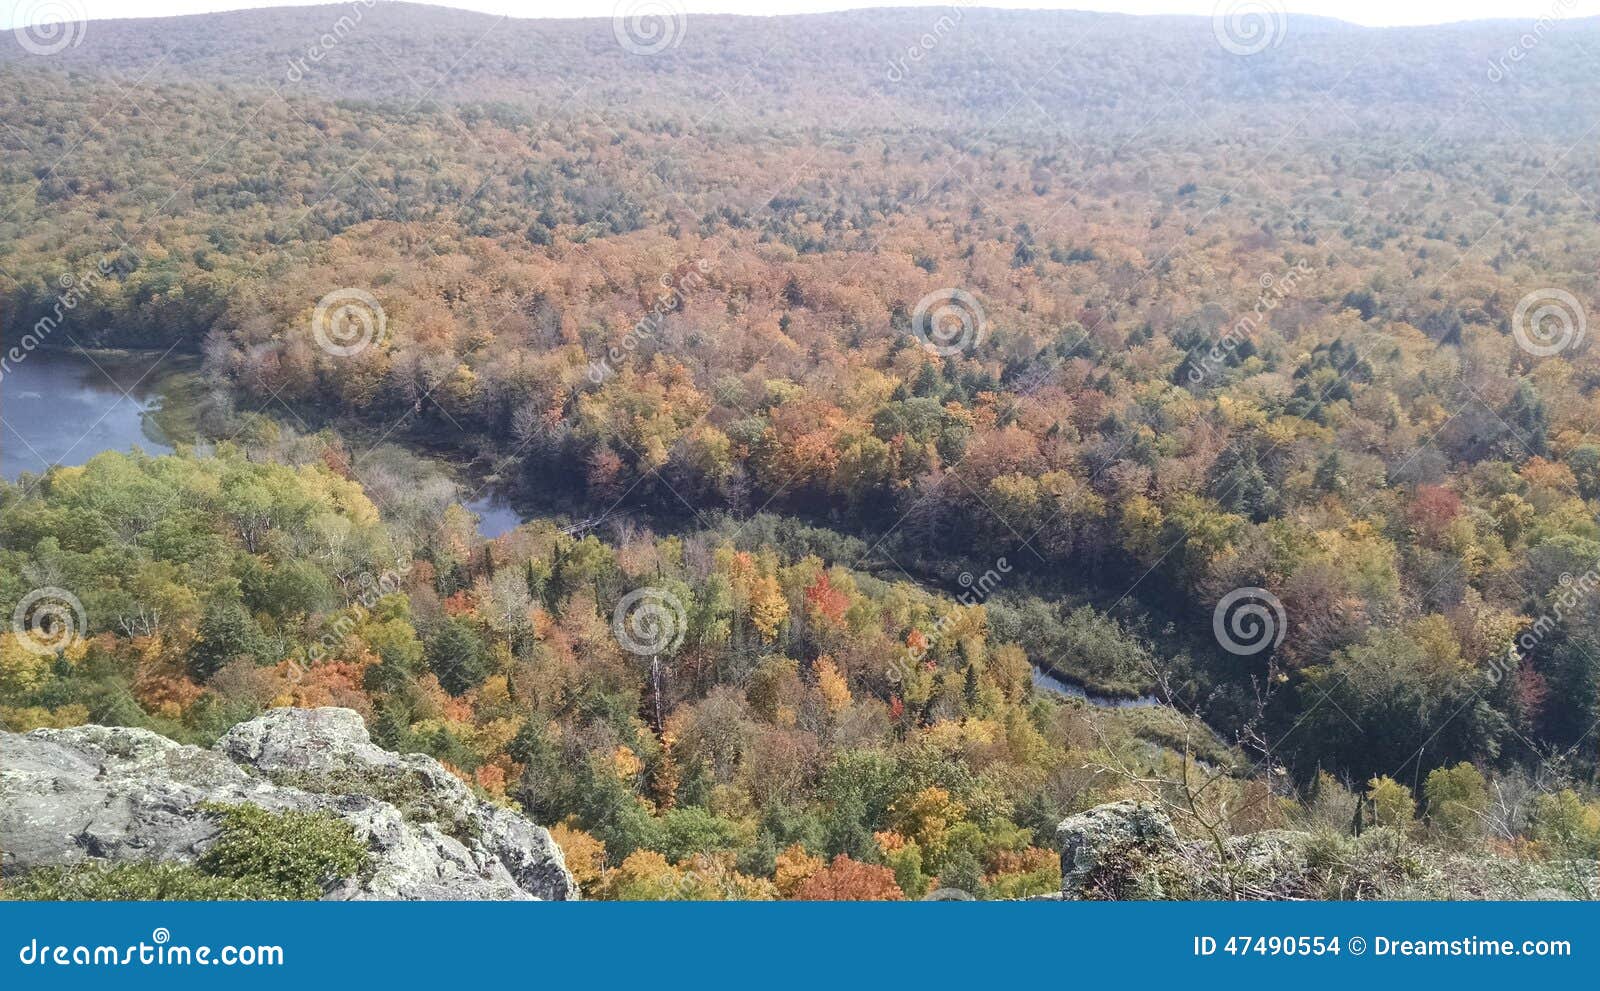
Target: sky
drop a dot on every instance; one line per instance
(1369, 12)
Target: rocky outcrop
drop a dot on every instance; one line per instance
(115, 794)
(1131, 850)
(1115, 851)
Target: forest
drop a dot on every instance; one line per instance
(850, 402)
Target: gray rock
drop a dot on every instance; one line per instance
(1110, 847)
(114, 794)
(1270, 853)
(1130, 850)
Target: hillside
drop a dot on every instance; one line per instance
(1070, 71)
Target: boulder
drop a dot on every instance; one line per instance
(115, 794)
(1116, 850)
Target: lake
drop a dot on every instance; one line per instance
(63, 409)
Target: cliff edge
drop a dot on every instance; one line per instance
(110, 795)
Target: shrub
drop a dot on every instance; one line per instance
(1565, 825)
(283, 855)
(1392, 804)
(1457, 798)
(260, 856)
(139, 882)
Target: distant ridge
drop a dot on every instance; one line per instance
(1067, 69)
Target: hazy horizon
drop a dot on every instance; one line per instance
(1365, 13)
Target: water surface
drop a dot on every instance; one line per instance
(495, 515)
(1046, 680)
(63, 408)
(58, 408)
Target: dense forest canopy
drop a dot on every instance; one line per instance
(1308, 321)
